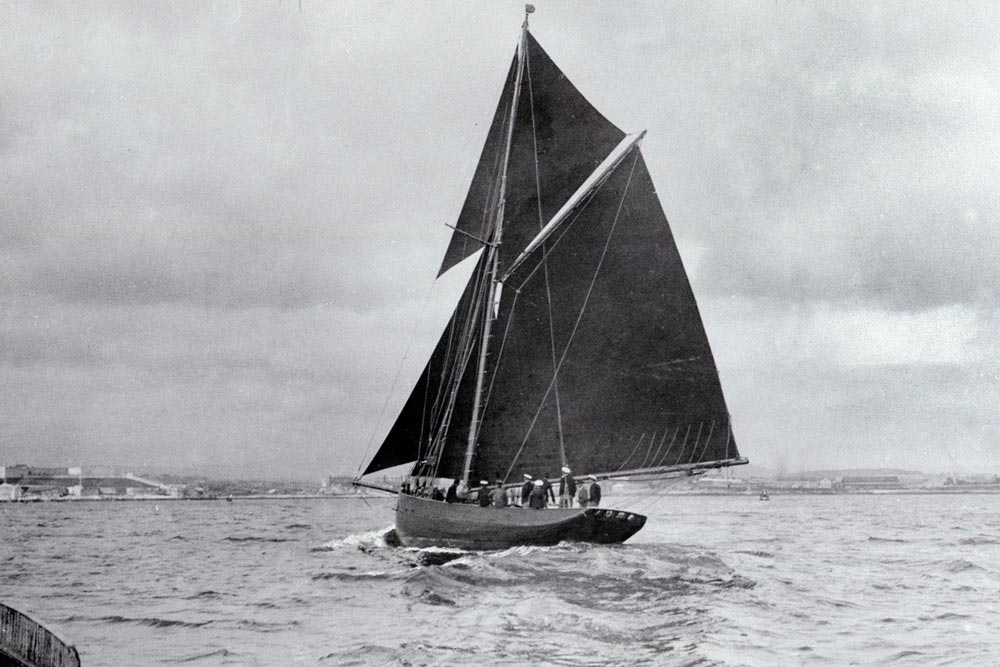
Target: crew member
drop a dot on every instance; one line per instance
(536, 498)
(525, 489)
(583, 493)
(550, 496)
(452, 495)
(499, 495)
(595, 492)
(484, 493)
(567, 487)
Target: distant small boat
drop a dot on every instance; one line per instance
(229, 498)
(764, 496)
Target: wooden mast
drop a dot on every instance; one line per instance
(493, 259)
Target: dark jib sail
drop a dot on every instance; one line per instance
(596, 355)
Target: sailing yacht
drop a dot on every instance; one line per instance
(576, 342)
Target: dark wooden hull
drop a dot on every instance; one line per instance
(421, 522)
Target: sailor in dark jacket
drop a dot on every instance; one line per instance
(484, 493)
(595, 492)
(550, 495)
(526, 489)
(452, 495)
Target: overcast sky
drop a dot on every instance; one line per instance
(220, 221)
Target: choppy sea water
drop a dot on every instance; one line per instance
(799, 580)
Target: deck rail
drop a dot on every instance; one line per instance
(27, 642)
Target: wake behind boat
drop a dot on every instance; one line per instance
(577, 341)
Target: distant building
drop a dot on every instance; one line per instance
(871, 483)
(9, 492)
(42, 482)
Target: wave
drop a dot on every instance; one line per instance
(904, 655)
(204, 595)
(254, 538)
(348, 576)
(758, 554)
(266, 626)
(947, 616)
(150, 621)
(893, 540)
(372, 539)
(623, 578)
(221, 653)
(961, 565)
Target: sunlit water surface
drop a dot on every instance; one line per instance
(799, 580)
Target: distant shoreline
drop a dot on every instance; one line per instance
(118, 499)
(366, 496)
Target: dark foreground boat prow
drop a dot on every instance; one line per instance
(422, 522)
(24, 642)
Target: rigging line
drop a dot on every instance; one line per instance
(493, 259)
(697, 439)
(729, 433)
(395, 380)
(565, 230)
(492, 193)
(641, 438)
(641, 502)
(579, 317)
(445, 376)
(669, 447)
(503, 344)
(468, 347)
(683, 445)
(649, 450)
(423, 410)
(443, 379)
(467, 321)
(457, 373)
(711, 429)
(493, 196)
(660, 446)
(658, 500)
(548, 291)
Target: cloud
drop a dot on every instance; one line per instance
(220, 221)
(841, 157)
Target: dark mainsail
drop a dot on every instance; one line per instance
(635, 357)
(597, 356)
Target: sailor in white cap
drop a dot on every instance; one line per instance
(536, 500)
(484, 493)
(567, 487)
(525, 489)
